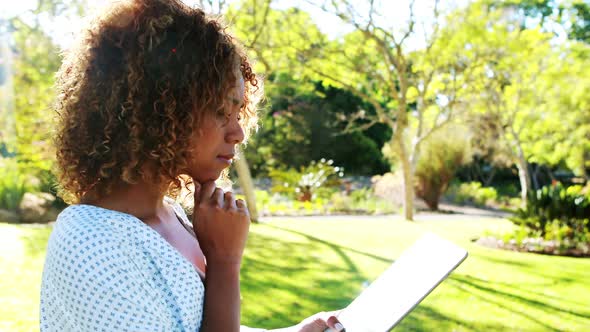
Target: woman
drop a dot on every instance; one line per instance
(152, 91)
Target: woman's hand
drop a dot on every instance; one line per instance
(221, 224)
(320, 322)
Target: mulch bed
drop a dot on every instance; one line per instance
(535, 245)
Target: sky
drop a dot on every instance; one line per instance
(396, 12)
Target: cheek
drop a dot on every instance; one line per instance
(205, 140)
(200, 148)
(194, 149)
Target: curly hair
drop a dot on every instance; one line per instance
(134, 88)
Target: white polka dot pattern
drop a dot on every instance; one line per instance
(108, 271)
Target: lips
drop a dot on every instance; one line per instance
(226, 158)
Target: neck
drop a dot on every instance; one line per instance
(142, 200)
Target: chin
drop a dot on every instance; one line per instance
(202, 178)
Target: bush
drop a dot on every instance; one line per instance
(576, 231)
(13, 185)
(508, 189)
(507, 203)
(278, 204)
(304, 184)
(360, 201)
(567, 208)
(472, 193)
(440, 157)
(389, 187)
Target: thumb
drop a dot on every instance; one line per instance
(334, 324)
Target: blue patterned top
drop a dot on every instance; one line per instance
(108, 271)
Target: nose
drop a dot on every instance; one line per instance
(235, 133)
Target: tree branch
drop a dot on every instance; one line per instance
(261, 26)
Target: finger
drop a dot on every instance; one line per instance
(334, 324)
(207, 190)
(230, 201)
(217, 198)
(241, 205)
(197, 194)
(315, 325)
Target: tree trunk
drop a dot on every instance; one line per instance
(408, 173)
(524, 177)
(245, 180)
(488, 180)
(535, 176)
(583, 172)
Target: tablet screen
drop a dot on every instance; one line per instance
(403, 285)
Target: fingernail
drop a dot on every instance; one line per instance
(339, 327)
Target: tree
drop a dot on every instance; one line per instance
(525, 89)
(35, 63)
(512, 95)
(566, 137)
(302, 126)
(553, 16)
(490, 152)
(252, 27)
(580, 21)
(7, 118)
(414, 90)
(257, 26)
(277, 39)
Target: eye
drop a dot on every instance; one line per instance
(239, 116)
(222, 115)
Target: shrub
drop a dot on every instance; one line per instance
(262, 197)
(440, 157)
(303, 184)
(472, 193)
(360, 201)
(509, 189)
(556, 208)
(509, 204)
(389, 187)
(13, 185)
(278, 204)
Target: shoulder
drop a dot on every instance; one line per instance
(91, 271)
(89, 254)
(87, 244)
(80, 226)
(178, 209)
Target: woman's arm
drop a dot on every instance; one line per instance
(222, 297)
(221, 224)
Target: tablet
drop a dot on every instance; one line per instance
(403, 285)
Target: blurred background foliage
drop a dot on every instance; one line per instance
(487, 102)
(437, 106)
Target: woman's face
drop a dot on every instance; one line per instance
(214, 142)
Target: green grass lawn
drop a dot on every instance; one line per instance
(295, 267)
